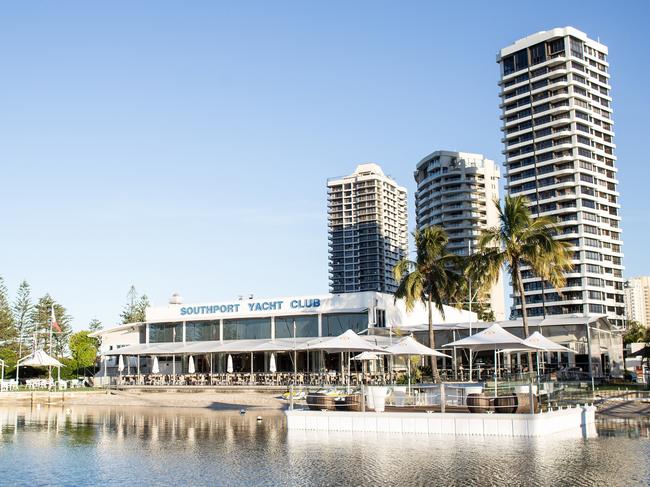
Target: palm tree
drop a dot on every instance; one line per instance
(521, 240)
(431, 279)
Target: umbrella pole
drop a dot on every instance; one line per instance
(349, 371)
(138, 359)
(495, 373)
(408, 370)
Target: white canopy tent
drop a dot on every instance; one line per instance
(38, 359)
(548, 345)
(367, 356)
(409, 346)
(493, 338)
(540, 341)
(348, 342)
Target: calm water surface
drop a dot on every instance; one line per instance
(141, 447)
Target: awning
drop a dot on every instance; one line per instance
(539, 340)
(492, 338)
(348, 341)
(39, 359)
(410, 346)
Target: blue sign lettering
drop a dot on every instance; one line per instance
(252, 307)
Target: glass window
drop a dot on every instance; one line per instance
(142, 333)
(576, 48)
(521, 59)
(555, 46)
(165, 332)
(245, 329)
(538, 53)
(197, 331)
(508, 65)
(306, 326)
(335, 324)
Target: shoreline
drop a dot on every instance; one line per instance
(214, 400)
(234, 399)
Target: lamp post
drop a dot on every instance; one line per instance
(295, 355)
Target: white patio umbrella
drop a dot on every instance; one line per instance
(540, 341)
(548, 345)
(272, 367)
(155, 368)
(492, 338)
(409, 346)
(367, 356)
(229, 367)
(120, 364)
(190, 365)
(348, 341)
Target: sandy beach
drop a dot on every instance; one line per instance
(216, 400)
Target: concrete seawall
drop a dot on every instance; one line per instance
(579, 420)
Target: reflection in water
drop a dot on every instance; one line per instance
(111, 446)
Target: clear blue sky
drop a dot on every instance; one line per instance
(185, 146)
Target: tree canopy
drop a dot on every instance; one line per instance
(134, 310)
(83, 349)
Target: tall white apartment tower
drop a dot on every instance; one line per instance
(456, 191)
(559, 153)
(637, 299)
(368, 230)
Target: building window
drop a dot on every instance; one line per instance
(380, 321)
(165, 332)
(337, 323)
(142, 333)
(555, 47)
(306, 326)
(245, 329)
(576, 48)
(198, 331)
(537, 54)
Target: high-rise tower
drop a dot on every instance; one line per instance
(637, 300)
(456, 191)
(368, 230)
(559, 153)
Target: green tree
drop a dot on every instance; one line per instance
(41, 317)
(480, 294)
(22, 310)
(83, 349)
(8, 334)
(95, 325)
(141, 307)
(134, 310)
(636, 332)
(521, 240)
(432, 278)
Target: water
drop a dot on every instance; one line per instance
(176, 447)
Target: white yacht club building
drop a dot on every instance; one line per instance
(251, 329)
